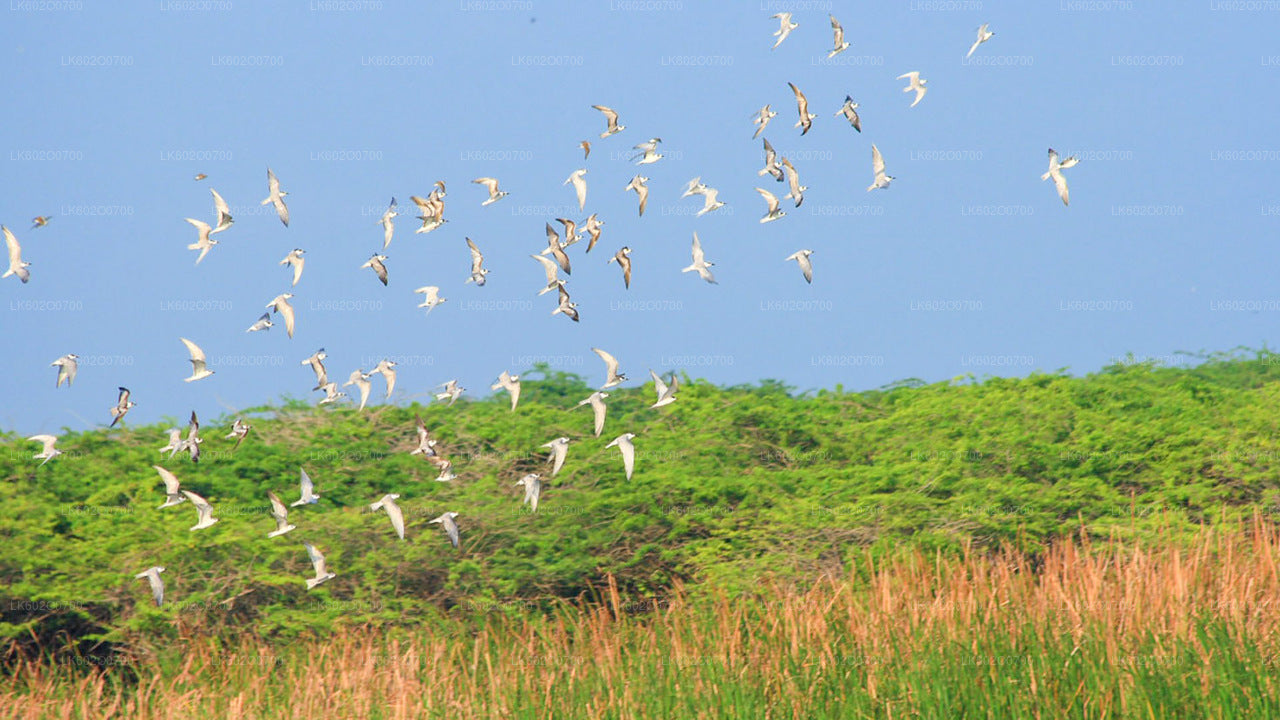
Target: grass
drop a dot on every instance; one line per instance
(1076, 629)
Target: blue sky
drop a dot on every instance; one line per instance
(967, 264)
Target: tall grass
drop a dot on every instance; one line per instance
(1174, 630)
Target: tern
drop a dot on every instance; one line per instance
(579, 180)
(386, 368)
(700, 264)
(172, 489)
(770, 162)
(983, 36)
(881, 180)
(360, 380)
(510, 383)
(596, 400)
(556, 250)
(840, 44)
(478, 271)
(1055, 172)
(492, 185)
(532, 490)
(192, 442)
(850, 111)
(375, 263)
(802, 259)
(426, 446)
(276, 197)
(592, 227)
(308, 490)
(559, 450)
(452, 390)
(175, 442)
(693, 187)
(281, 305)
(430, 297)
(123, 405)
(223, 212)
(570, 309)
(642, 191)
(446, 471)
(628, 450)
(762, 119)
(802, 105)
(388, 224)
(317, 564)
(916, 84)
(623, 258)
(295, 259)
(331, 394)
(612, 376)
(388, 502)
(784, 29)
(571, 234)
(666, 393)
(280, 514)
(450, 527)
(203, 242)
(586, 149)
(48, 452)
(263, 323)
(432, 207)
(612, 118)
(16, 265)
(40, 221)
(793, 182)
(152, 574)
(316, 361)
(710, 201)
(649, 156)
(239, 430)
(67, 366)
(774, 212)
(198, 369)
(552, 270)
(203, 509)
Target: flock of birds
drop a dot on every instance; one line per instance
(553, 260)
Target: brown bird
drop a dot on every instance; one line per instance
(586, 149)
(623, 258)
(39, 221)
(201, 176)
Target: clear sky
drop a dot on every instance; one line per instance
(968, 263)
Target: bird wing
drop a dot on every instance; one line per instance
(171, 486)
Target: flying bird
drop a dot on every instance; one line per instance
(48, 452)
(192, 442)
(276, 197)
(916, 84)
(388, 224)
(317, 564)
(239, 430)
(571, 234)
(203, 509)
(586, 149)
(491, 184)
(198, 369)
(570, 309)
(693, 187)
(432, 208)
(426, 446)
(39, 221)
(446, 471)
(700, 264)
(612, 118)
(450, 527)
(280, 514)
(478, 271)
(877, 166)
(200, 176)
(559, 450)
(666, 393)
(623, 258)
(628, 450)
(556, 250)
(642, 191)
(430, 297)
(175, 442)
(802, 105)
(793, 182)
(375, 263)
(806, 266)
(552, 271)
(67, 366)
(770, 162)
(152, 575)
(295, 259)
(316, 361)
(223, 212)
(612, 376)
(649, 155)
(784, 29)
(762, 119)
(331, 394)
(263, 323)
(172, 489)
(308, 490)
(386, 368)
(592, 227)
(123, 405)
(452, 391)
(1055, 172)
(840, 44)
(983, 36)
(388, 502)
(281, 305)
(774, 212)
(361, 381)
(579, 180)
(510, 383)
(532, 490)
(596, 401)
(203, 242)
(850, 111)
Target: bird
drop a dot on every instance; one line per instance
(586, 149)
(700, 264)
(762, 118)
(693, 187)
(192, 442)
(770, 162)
(432, 208)
(623, 258)
(571, 234)
(450, 527)
(802, 105)
(570, 309)
(592, 227)
(793, 181)
(552, 271)
(280, 514)
(983, 36)
(281, 305)
(492, 185)
(612, 118)
(628, 450)
(388, 502)
(123, 405)
(510, 383)
(478, 271)
(198, 369)
(331, 393)
(774, 212)
(426, 446)
(430, 297)
(388, 224)
(308, 491)
(375, 263)
(317, 564)
(710, 201)
(559, 449)
(452, 391)
(200, 176)
(316, 361)
(557, 251)
(39, 221)
(642, 191)
(67, 366)
(649, 156)
(16, 265)
(203, 509)
(48, 452)
(295, 259)
(386, 368)
(223, 212)
(172, 489)
(239, 430)
(666, 393)
(446, 471)
(152, 574)
(1055, 172)
(203, 242)
(263, 323)
(916, 84)
(784, 29)
(612, 376)
(806, 266)
(596, 401)
(276, 197)
(881, 180)
(532, 489)
(850, 111)
(175, 442)
(361, 381)
(840, 44)
(579, 180)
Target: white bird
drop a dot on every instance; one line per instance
(175, 442)
(361, 381)
(492, 185)
(239, 430)
(172, 489)
(16, 266)
(375, 263)
(67, 366)
(579, 180)
(623, 258)
(770, 162)
(223, 212)
(916, 84)
(570, 309)
(610, 117)
(700, 263)
(1055, 172)
(308, 491)
(784, 29)
(331, 394)
(446, 471)
(774, 212)
(198, 369)
(510, 383)
(432, 208)
(881, 180)
(388, 502)
(450, 527)
(532, 490)
(762, 119)
(426, 446)
(276, 197)
(430, 297)
(628, 450)
(152, 574)
(295, 259)
(262, 323)
(452, 391)
(552, 270)
(612, 376)
(592, 227)
(557, 250)
(793, 181)
(840, 44)
(666, 393)
(316, 361)
(649, 156)
(478, 271)
(192, 442)
(280, 304)
(280, 514)
(802, 106)
(806, 266)
(203, 509)
(203, 242)
(387, 221)
(596, 400)
(49, 452)
(559, 450)
(642, 191)
(983, 36)
(693, 187)
(850, 111)
(571, 234)
(123, 405)
(386, 368)
(317, 564)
